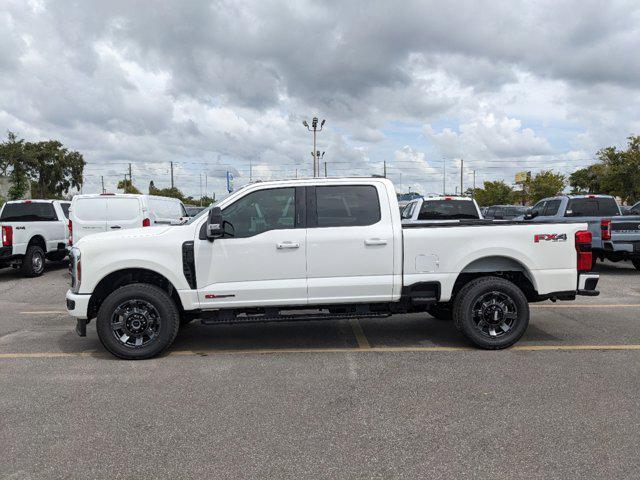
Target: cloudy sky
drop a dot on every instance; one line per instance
(218, 86)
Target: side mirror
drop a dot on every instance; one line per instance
(215, 227)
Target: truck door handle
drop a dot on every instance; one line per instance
(283, 245)
(115, 227)
(375, 241)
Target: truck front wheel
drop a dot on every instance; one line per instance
(491, 312)
(137, 321)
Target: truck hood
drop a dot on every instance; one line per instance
(128, 234)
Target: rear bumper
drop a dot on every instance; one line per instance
(587, 283)
(6, 253)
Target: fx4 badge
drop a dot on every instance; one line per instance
(550, 237)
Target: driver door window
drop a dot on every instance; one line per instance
(261, 211)
(538, 209)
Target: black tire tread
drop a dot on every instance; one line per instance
(636, 263)
(458, 307)
(158, 295)
(27, 267)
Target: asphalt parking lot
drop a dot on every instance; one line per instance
(381, 398)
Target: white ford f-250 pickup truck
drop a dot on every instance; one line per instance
(33, 230)
(320, 248)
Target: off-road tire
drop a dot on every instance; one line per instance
(31, 267)
(473, 292)
(169, 321)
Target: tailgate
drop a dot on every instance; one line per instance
(626, 231)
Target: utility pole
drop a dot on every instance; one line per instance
(325, 169)
(130, 177)
(171, 174)
(102, 181)
(444, 176)
(474, 183)
(206, 189)
(200, 179)
(250, 171)
(461, 175)
(296, 173)
(314, 128)
(384, 171)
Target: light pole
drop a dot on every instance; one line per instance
(314, 128)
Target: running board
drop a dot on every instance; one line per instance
(273, 315)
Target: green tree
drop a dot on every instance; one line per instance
(53, 169)
(493, 193)
(127, 187)
(587, 180)
(545, 184)
(13, 159)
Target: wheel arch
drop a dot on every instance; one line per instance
(38, 240)
(501, 266)
(128, 276)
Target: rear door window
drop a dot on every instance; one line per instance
(592, 207)
(551, 208)
(90, 209)
(447, 210)
(123, 209)
(29, 212)
(347, 206)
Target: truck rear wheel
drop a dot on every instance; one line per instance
(491, 312)
(33, 261)
(137, 321)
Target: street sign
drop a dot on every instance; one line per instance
(522, 177)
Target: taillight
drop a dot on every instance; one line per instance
(7, 236)
(70, 232)
(146, 222)
(583, 249)
(605, 229)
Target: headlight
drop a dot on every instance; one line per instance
(76, 269)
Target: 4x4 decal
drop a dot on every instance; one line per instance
(550, 237)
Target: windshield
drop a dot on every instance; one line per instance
(447, 210)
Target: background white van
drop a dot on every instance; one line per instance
(107, 212)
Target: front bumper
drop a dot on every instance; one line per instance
(78, 304)
(587, 283)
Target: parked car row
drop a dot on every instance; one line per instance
(35, 230)
(615, 237)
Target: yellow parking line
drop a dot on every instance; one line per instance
(43, 312)
(264, 351)
(363, 342)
